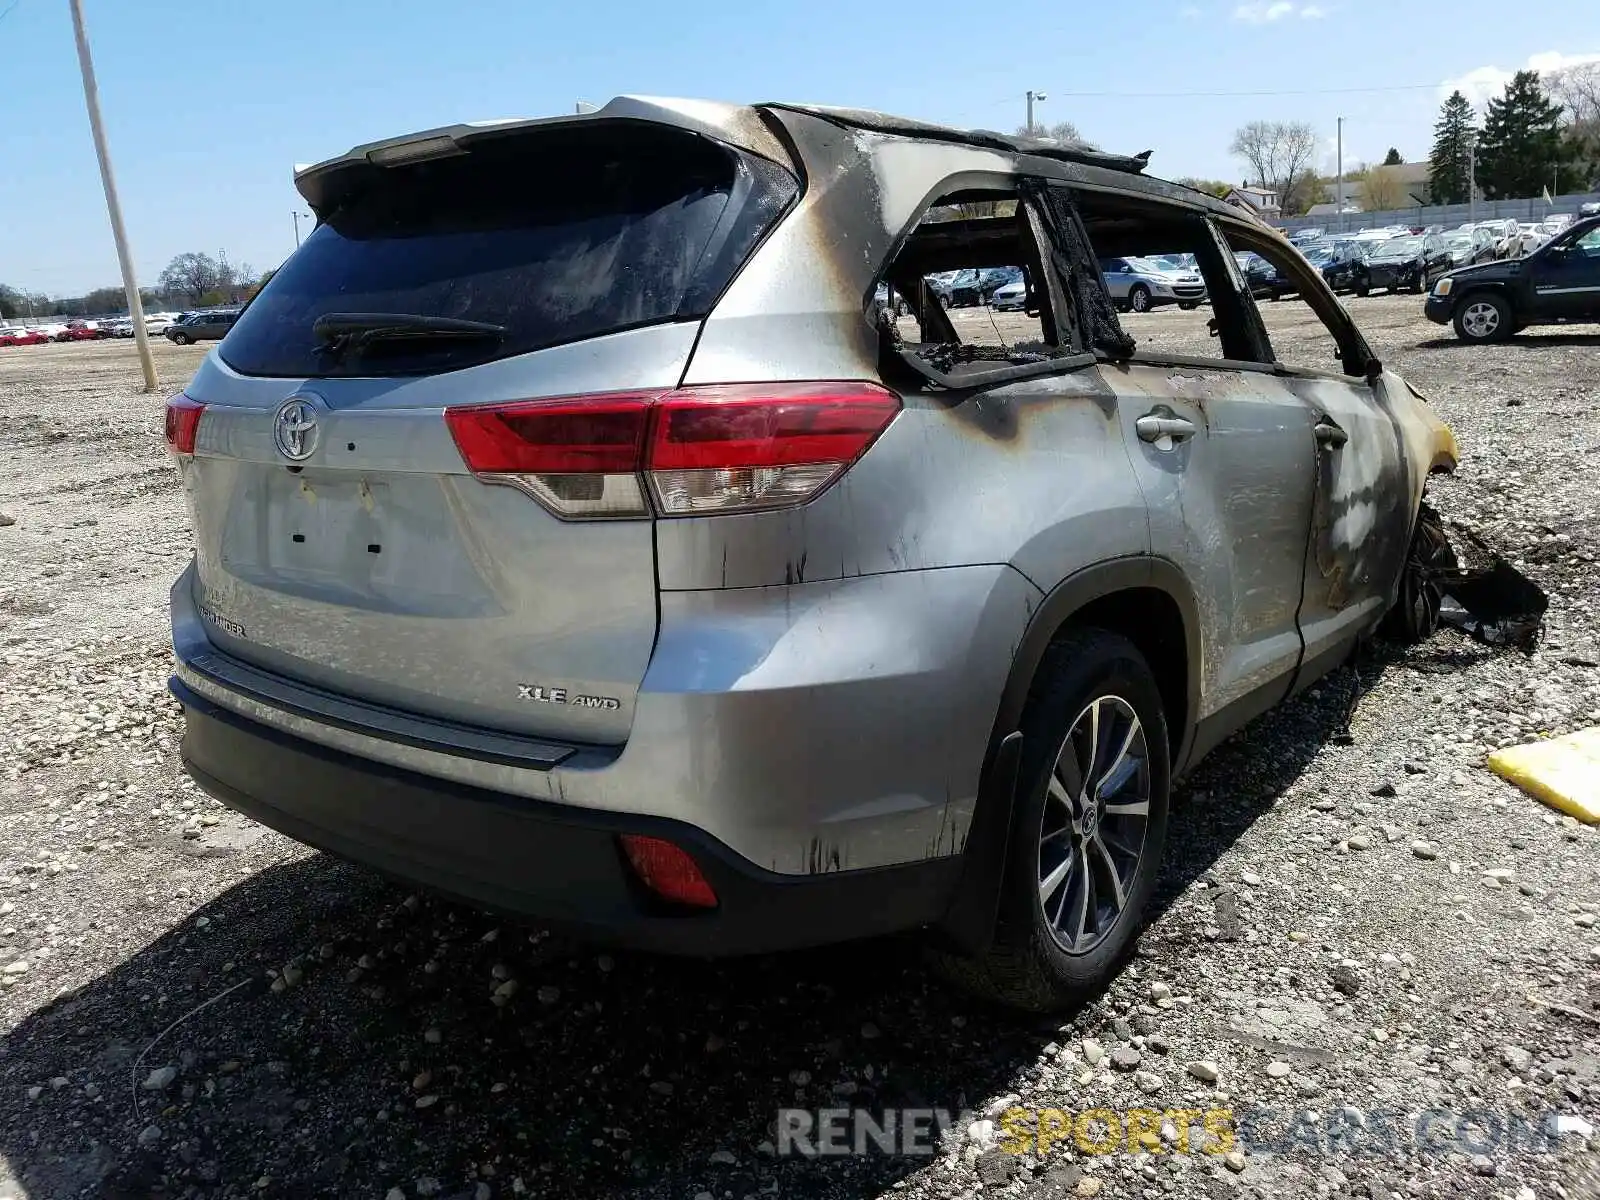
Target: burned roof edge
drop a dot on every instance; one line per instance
(986, 139)
(1128, 170)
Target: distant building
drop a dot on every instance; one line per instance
(1262, 201)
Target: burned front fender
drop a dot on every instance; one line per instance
(1430, 443)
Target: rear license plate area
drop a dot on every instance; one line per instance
(324, 527)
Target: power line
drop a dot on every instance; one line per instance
(1397, 87)
(1351, 91)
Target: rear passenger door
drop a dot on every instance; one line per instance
(1223, 452)
(1361, 521)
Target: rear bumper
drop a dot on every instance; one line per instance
(556, 863)
(824, 727)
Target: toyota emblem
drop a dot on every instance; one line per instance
(294, 429)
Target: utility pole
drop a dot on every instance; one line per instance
(91, 98)
(1032, 96)
(297, 215)
(1472, 178)
(1339, 167)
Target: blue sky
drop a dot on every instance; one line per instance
(210, 104)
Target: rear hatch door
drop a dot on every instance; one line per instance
(341, 539)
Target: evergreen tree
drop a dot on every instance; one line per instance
(1452, 143)
(1520, 152)
(1392, 159)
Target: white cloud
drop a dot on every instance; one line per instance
(1265, 12)
(1482, 84)
(1261, 12)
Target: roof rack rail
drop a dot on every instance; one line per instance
(876, 122)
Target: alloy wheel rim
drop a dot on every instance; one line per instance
(1481, 319)
(1092, 832)
(1140, 302)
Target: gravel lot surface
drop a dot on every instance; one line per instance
(1364, 928)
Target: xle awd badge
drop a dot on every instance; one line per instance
(544, 695)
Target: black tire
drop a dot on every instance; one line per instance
(1139, 298)
(1482, 317)
(1189, 305)
(1363, 290)
(1027, 967)
(1415, 614)
(182, 339)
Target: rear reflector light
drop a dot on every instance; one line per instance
(728, 448)
(667, 870)
(183, 423)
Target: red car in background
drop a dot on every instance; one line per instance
(22, 337)
(84, 332)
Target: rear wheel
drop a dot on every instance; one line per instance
(1139, 298)
(183, 339)
(1088, 828)
(1483, 317)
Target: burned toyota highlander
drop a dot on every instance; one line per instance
(577, 535)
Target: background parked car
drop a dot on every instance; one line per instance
(1530, 236)
(1412, 262)
(1258, 272)
(1138, 285)
(1557, 283)
(1466, 247)
(18, 336)
(81, 331)
(202, 327)
(1011, 297)
(1343, 264)
(974, 287)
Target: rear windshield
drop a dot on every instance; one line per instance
(556, 236)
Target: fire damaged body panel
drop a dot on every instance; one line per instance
(833, 689)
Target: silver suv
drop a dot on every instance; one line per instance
(577, 536)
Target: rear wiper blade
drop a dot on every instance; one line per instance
(338, 333)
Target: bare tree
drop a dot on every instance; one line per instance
(1381, 189)
(1064, 132)
(1279, 153)
(1577, 90)
(192, 275)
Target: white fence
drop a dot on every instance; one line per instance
(1448, 215)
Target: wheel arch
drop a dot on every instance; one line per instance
(1477, 287)
(1146, 599)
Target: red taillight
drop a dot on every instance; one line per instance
(725, 448)
(571, 436)
(183, 423)
(667, 870)
(762, 426)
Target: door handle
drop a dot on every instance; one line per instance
(1330, 435)
(1152, 428)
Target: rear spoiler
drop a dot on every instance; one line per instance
(735, 125)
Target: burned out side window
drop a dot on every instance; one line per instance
(968, 291)
(1166, 278)
(1308, 332)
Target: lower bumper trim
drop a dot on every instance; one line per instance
(557, 864)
